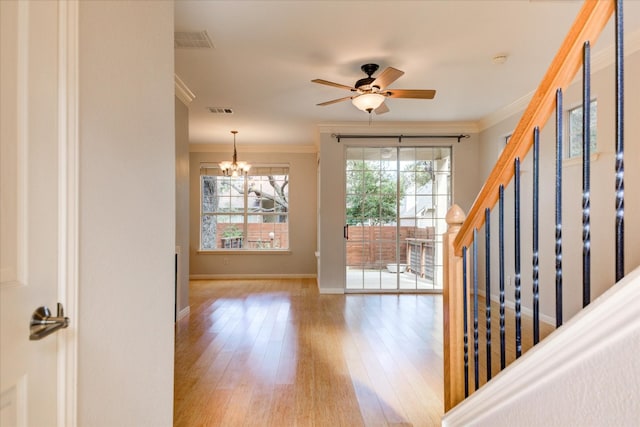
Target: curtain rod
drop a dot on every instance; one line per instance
(398, 137)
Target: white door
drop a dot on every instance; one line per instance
(34, 218)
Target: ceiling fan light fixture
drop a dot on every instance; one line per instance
(368, 101)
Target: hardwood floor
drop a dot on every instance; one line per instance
(510, 339)
(276, 353)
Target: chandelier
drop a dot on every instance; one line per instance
(235, 167)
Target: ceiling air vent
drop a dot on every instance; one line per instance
(220, 110)
(192, 39)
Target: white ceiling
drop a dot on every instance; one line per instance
(267, 52)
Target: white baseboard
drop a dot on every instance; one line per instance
(332, 291)
(584, 373)
(249, 276)
(524, 310)
(184, 312)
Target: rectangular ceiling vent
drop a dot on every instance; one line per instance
(220, 110)
(191, 40)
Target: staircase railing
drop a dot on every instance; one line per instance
(460, 242)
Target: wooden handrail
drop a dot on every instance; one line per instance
(591, 20)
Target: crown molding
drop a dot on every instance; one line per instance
(599, 61)
(183, 93)
(504, 113)
(607, 57)
(226, 148)
(399, 127)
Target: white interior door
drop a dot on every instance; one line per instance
(33, 215)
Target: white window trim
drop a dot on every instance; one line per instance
(577, 160)
(253, 251)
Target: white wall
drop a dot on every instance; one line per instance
(182, 205)
(127, 214)
(602, 201)
(332, 199)
(584, 374)
(299, 260)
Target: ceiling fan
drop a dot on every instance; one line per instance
(370, 92)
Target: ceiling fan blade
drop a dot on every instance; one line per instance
(381, 109)
(411, 93)
(334, 101)
(328, 83)
(388, 76)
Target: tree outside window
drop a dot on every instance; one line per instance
(575, 130)
(246, 212)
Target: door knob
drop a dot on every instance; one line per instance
(43, 324)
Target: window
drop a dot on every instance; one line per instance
(244, 212)
(575, 130)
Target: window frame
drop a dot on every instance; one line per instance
(568, 154)
(259, 245)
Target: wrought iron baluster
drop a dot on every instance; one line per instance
(619, 141)
(516, 219)
(586, 175)
(503, 346)
(476, 361)
(465, 327)
(536, 255)
(487, 275)
(559, 158)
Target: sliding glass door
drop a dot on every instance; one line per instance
(396, 202)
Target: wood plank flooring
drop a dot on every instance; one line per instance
(277, 353)
(510, 340)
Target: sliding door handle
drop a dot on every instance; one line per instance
(345, 231)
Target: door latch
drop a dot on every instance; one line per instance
(43, 324)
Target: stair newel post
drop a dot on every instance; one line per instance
(453, 313)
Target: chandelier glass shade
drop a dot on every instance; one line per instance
(234, 168)
(368, 101)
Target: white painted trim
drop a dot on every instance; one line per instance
(396, 127)
(249, 276)
(607, 57)
(183, 93)
(524, 310)
(528, 312)
(614, 314)
(331, 291)
(273, 148)
(577, 160)
(599, 61)
(244, 252)
(12, 275)
(68, 187)
(22, 142)
(516, 107)
(184, 313)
